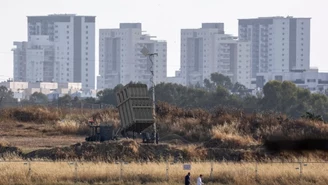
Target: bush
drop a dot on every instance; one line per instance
(30, 114)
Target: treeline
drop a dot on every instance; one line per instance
(218, 91)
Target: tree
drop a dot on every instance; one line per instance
(89, 100)
(250, 103)
(66, 100)
(108, 96)
(118, 87)
(208, 85)
(288, 96)
(239, 88)
(39, 98)
(220, 79)
(272, 95)
(6, 95)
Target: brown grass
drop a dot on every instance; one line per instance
(202, 133)
(156, 173)
(71, 127)
(30, 114)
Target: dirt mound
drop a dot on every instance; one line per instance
(131, 151)
(127, 150)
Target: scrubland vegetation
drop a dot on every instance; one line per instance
(160, 173)
(195, 125)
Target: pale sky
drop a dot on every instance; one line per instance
(162, 18)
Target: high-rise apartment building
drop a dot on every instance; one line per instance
(279, 44)
(209, 50)
(60, 48)
(121, 60)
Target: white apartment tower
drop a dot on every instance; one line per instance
(279, 44)
(121, 60)
(60, 48)
(209, 50)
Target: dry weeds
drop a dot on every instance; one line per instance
(161, 173)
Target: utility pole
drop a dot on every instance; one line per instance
(145, 52)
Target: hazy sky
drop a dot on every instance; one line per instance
(162, 18)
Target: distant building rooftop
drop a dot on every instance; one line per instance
(276, 17)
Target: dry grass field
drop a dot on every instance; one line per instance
(224, 135)
(161, 173)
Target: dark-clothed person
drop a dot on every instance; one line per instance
(187, 179)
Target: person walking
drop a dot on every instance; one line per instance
(187, 179)
(199, 180)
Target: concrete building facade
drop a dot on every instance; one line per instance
(209, 50)
(310, 79)
(60, 48)
(121, 60)
(279, 44)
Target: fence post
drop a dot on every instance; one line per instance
(121, 172)
(211, 174)
(167, 170)
(75, 171)
(256, 171)
(29, 170)
(301, 169)
(82, 107)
